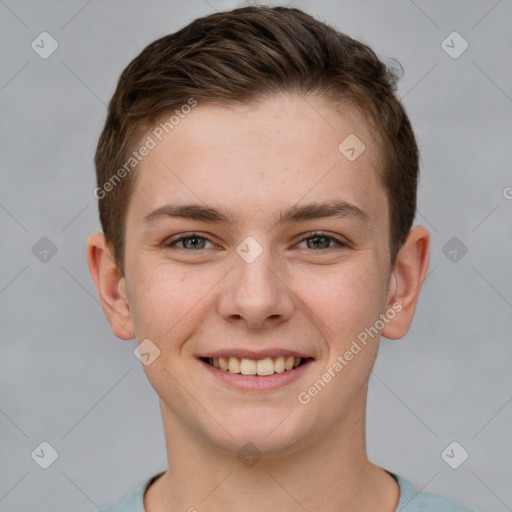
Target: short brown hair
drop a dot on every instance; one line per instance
(239, 57)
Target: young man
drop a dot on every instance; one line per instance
(257, 186)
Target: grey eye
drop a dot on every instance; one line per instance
(318, 242)
(193, 242)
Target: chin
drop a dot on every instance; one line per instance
(264, 430)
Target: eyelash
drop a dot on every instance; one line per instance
(314, 234)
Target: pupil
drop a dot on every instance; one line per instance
(321, 242)
(195, 242)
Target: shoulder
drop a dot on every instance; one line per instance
(412, 500)
(134, 502)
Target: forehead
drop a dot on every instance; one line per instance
(279, 152)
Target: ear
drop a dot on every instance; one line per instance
(111, 286)
(407, 278)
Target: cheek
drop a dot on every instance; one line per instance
(346, 299)
(168, 308)
(168, 303)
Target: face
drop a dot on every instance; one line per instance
(254, 243)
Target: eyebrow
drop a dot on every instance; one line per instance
(336, 208)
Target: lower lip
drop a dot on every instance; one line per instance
(257, 382)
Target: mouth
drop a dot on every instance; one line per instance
(264, 367)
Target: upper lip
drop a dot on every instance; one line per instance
(253, 354)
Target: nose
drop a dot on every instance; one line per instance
(256, 294)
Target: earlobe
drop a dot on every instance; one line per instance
(110, 285)
(406, 281)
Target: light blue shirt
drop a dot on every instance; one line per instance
(411, 500)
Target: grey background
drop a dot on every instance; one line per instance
(67, 380)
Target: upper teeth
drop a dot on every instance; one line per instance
(263, 367)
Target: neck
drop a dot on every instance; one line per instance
(331, 474)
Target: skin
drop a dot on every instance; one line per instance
(255, 162)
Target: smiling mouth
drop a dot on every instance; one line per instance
(261, 367)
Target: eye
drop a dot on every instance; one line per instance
(192, 241)
(322, 241)
(196, 242)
